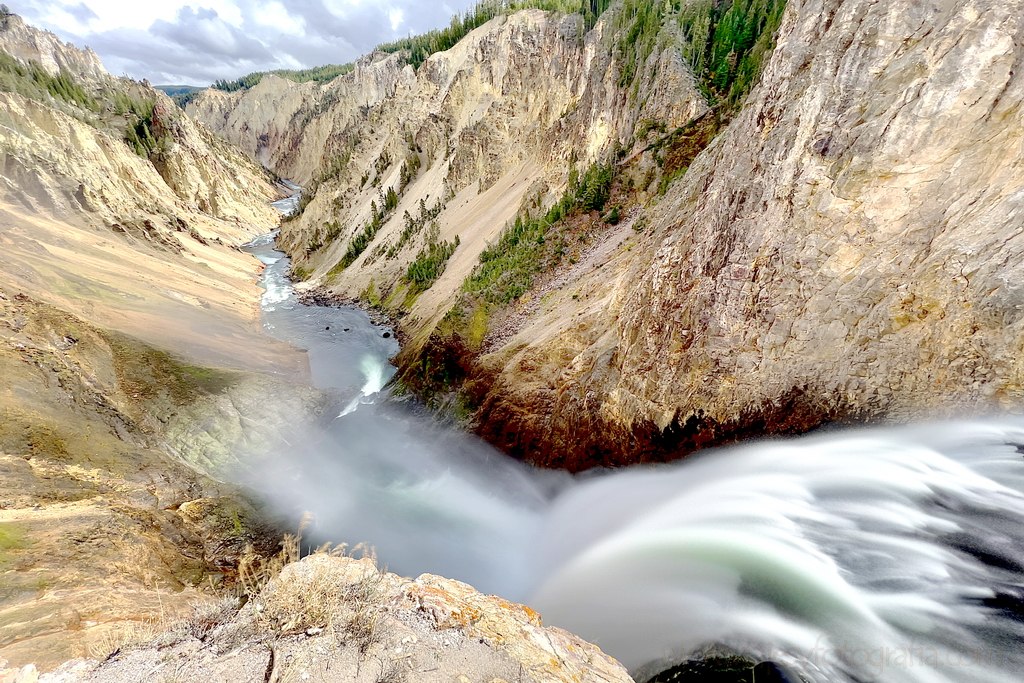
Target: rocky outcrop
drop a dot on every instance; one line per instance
(28, 43)
(334, 618)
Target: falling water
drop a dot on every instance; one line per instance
(881, 554)
(877, 554)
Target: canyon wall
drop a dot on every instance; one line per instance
(480, 130)
(114, 232)
(844, 250)
(121, 280)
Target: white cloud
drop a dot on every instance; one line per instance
(273, 15)
(396, 16)
(200, 41)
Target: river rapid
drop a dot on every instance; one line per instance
(883, 554)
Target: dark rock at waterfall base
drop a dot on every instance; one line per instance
(723, 669)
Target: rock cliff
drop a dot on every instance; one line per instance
(105, 181)
(120, 281)
(465, 142)
(333, 618)
(28, 43)
(844, 249)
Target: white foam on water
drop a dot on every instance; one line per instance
(840, 555)
(376, 373)
(867, 555)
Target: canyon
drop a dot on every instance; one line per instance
(841, 251)
(603, 241)
(136, 381)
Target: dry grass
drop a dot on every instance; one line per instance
(162, 630)
(345, 605)
(393, 671)
(363, 626)
(316, 600)
(255, 570)
(204, 619)
(335, 603)
(122, 636)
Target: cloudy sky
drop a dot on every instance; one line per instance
(197, 42)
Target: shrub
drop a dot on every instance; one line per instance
(507, 268)
(414, 225)
(33, 81)
(429, 264)
(361, 240)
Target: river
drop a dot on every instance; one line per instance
(882, 554)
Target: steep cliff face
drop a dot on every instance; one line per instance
(845, 249)
(464, 142)
(64, 144)
(106, 188)
(58, 165)
(28, 43)
(107, 240)
(848, 248)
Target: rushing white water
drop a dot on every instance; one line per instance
(277, 288)
(882, 554)
(290, 204)
(867, 555)
(377, 376)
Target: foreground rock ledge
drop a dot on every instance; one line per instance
(332, 618)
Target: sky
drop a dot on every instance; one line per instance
(198, 42)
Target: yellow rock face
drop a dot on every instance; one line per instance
(848, 248)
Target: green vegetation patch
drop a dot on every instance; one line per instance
(429, 264)
(139, 129)
(414, 225)
(31, 80)
(181, 94)
(637, 25)
(146, 373)
(725, 42)
(507, 268)
(318, 74)
(172, 90)
(13, 537)
(362, 239)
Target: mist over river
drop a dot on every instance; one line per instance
(892, 554)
